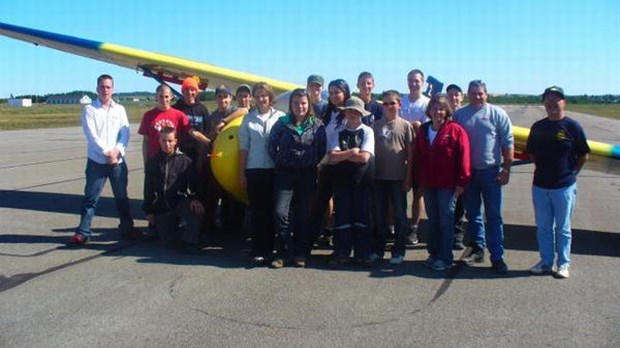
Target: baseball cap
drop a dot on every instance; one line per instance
(554, 89)
(223, 89)
(244, 88)
(316, 79)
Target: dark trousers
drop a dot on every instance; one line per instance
(289, 187)
(260, 186)
(179, 225)
(390, 191)
(351, 227)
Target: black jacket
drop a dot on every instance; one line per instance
(167, 180)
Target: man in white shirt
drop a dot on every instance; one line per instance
(414, 110)
(106, 129)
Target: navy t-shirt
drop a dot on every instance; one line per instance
(557, 145)
(376, 111)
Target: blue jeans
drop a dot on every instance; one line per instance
(484, 188)
(553, 209)
(297, 188)
(351, 226)
(96, 176)
(440, 205)
(390, 191)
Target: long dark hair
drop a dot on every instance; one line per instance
(344, 87)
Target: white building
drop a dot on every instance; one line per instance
(21, 102)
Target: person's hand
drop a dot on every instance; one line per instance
(196, 207)
(220, 126)
(151, 219)
(243, 182)
(112, 156)
(459, 191)
(407, 184)
(503, 177)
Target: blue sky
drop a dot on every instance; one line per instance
(514, 46)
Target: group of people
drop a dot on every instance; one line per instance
(340, 168)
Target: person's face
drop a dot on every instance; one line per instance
(262, 100)
(366, 85)
(168, 142)
(243, 99)
(455, 98)
(391, 105)
(300, 106)
(554, 104)
(438, 113)
(223, 100)
(314, 89)
(415, 82)
(352, 116)
(189, 94)
(336, 96)
(164, 98)
(105, 89)
(477, 96)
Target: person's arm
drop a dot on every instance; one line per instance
(507, 156)
(407, 183)
(199, 136)
(581, 160)
(337, 156)
(145, 149)
(90, 130)
(361, 157)
(243, 162)
(240, 112)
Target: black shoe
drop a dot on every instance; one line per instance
(499, 267)
(476, 256)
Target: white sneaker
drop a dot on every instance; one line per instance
(540, 268)
(563, 272)
(397, 260)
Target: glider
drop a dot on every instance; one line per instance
(166, 68)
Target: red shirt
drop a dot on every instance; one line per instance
(446, 163)
(155, 119)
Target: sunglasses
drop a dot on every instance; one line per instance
(391, 103)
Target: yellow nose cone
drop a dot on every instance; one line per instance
(225, 160)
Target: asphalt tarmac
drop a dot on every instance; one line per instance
(139, 294)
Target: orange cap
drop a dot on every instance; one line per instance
(190, 82)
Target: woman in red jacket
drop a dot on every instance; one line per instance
(441, 169)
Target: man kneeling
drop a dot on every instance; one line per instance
(169, 193)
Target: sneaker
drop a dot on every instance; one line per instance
(562, 272)
(458, 245)
(78, 239)
(439, 265)
(412, 237)
(540, 268)
(397, 259)
(299, 262)
(374, 257)
(499, 267)
(475, 257)
(257, 261)
(277, 263)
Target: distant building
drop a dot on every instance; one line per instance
(69, 99)
(20, 102)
